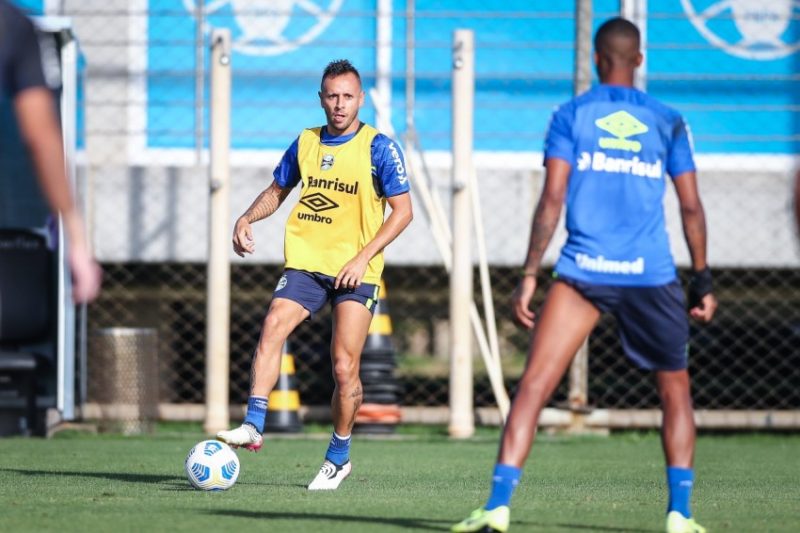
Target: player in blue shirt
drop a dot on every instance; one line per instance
(608, 155)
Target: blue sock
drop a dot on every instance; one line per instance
(256, 412)
(680, 481)
(504, 480)
(339, 449)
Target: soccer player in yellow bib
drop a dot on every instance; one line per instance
(334, 243)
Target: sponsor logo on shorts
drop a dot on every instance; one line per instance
(609, 266)
(281, 283)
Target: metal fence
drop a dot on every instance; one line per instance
(144, 175)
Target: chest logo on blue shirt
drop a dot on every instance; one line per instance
(327, 162)
(622, 125)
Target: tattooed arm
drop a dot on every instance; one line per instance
(544, 225)
(267, 203)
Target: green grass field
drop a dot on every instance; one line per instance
(419, 480)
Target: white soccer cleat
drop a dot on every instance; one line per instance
(245, 435)
(330, 476)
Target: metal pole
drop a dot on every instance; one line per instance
(219, 268)
(66, 324)
(579, 371)
(636, 12)
(383, 62)
(583, 46)
(199, 78)
(462, 423)
(410, 67)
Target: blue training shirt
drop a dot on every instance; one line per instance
(389, 174)
(621, 144)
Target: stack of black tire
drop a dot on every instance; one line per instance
(380, 410)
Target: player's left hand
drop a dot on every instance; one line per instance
(521, 302)
(351, 274)
(704, 311)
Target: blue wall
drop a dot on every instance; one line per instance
(31, 7)
(733, 103)
(274, 96)
(524, 65)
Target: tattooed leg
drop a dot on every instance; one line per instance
(357, 398)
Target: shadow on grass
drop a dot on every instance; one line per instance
(178, 486)
(427, 524)
(169, 483)
(606, 528)
(113, 476)
(272, 484)
(182, 485)
(178, 483)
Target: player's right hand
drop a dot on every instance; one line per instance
(243, 242)
(521, 301)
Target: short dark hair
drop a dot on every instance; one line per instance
(615, 27)
(337, 68)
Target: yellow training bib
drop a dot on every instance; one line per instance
(339, 211)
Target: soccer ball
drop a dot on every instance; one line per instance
(212, 465)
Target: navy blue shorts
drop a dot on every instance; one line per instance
(652, 321)
(313, 290)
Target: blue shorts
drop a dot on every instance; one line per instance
(313, 290)
(652, 321)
